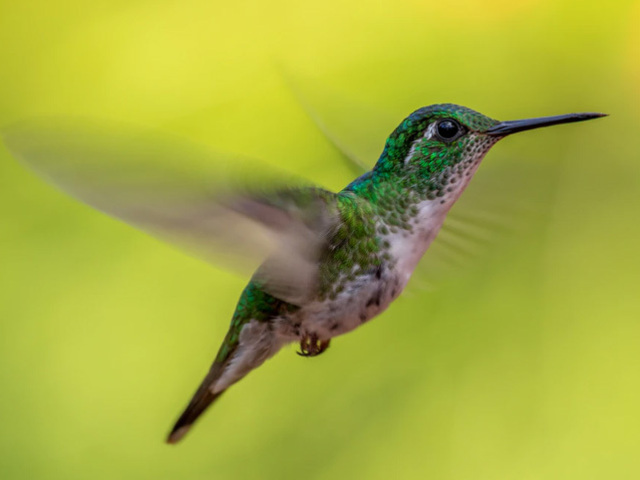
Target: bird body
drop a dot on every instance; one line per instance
(383, 223)
(341, 258)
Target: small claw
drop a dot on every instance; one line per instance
(311, 345)
(306, 346)
(324, 344)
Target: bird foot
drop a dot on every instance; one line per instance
(311, 346)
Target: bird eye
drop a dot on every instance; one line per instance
(448, 129)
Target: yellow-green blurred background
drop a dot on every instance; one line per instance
(524, 364)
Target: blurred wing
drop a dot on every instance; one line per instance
(357, 131)
(506, 204)
(226, 210)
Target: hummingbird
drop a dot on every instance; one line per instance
(336, 260)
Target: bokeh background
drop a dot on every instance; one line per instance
(522, 361)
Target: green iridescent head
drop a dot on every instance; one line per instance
(436, 149)
(436, 138)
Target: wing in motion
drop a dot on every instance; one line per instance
(227, 210)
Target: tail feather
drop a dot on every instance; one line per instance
(239, 354)
(203, 397)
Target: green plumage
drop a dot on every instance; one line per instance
(332, 261)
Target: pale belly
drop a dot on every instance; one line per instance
(362, 299)
(368, 295)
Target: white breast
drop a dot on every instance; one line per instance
(408, 247)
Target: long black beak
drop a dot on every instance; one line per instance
(513, 126)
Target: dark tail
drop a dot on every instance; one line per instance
(198, 404)
(233, 362)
